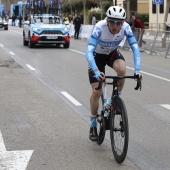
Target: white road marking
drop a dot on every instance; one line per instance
(1, 45)
(73, 100)
(17, 32)
(30, 67)
(162, 78)
(12, 160)
(167, 106)
(77, 51)
(11, 53)
(2, 145)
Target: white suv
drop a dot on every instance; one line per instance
(45, 29)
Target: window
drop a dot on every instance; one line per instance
(161, 8)
(153, 8)
(133, 5)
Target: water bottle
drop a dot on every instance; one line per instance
(107, 105)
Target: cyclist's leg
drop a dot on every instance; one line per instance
(117, 62)
(94, 99)
(94, 103)
(120, 67)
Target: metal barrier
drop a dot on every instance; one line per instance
(152, 41)
(138, 33)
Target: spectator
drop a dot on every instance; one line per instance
(20, 21)
(13, 19)
(70, 18)
(66, 18)
(26, 17)
(131, 23)
(93, 22)
(138, 24)
(82, 19)
(77, 24)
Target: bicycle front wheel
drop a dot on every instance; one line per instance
(119, 129)
(101, 121)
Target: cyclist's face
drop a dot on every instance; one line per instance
(114, 25)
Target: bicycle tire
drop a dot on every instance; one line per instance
(100, 121)
(119, 128)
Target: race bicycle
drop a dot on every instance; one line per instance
(113, 116)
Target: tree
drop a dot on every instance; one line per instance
(166, 12)
(84, 4)
(165, 20)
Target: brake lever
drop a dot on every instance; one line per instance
(139, 85)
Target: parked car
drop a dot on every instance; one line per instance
(45, 29)
(3, 23)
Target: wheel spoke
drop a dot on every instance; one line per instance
(119, 130)
(100, 123)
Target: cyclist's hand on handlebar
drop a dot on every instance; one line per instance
(138, 76)
(99, 75)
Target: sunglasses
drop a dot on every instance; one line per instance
(115, 22)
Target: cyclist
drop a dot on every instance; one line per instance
(102, 49)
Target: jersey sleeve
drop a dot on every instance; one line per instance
(92, 46)
(134, 46)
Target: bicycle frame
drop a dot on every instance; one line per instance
(118, 118)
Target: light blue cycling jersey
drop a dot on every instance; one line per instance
(102, 41)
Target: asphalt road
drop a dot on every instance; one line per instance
(36, 117)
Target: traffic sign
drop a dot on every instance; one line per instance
(157, 1)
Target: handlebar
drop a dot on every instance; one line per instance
(117, 78)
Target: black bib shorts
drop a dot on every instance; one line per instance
(101, 61)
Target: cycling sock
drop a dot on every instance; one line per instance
(93, 121)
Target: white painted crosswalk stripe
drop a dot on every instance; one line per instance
(167, 106)
(12, 160)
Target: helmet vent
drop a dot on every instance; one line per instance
(116, 12)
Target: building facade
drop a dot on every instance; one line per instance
(156, 12)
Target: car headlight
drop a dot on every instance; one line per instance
(65, 29)
(36, 29)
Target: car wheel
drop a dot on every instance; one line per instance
(25, 43)
(6, 28)
(66, 45)
(30, 44)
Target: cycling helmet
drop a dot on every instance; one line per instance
(116, 12)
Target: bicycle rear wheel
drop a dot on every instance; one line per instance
(119, 130)
(101, 121)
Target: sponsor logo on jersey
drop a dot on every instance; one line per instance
(96, 32)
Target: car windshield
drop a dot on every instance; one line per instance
(48, 20)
